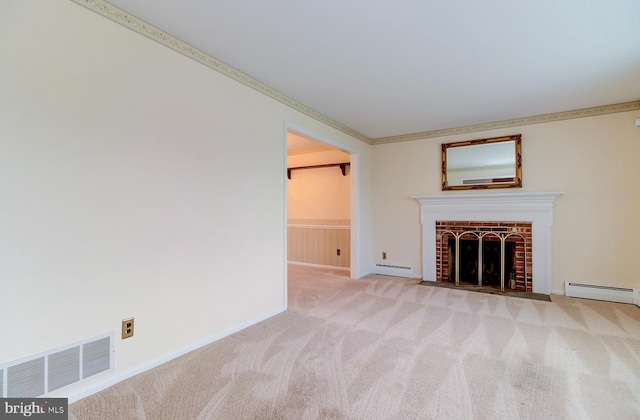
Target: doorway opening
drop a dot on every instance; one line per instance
(320, 203)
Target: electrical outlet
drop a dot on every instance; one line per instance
(338, 252)
(384, 255)
(127, 328)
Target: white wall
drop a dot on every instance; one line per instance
(594, 160)
(135, 182)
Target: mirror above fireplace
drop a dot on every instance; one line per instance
(484, 163)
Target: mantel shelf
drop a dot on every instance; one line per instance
(343, 168)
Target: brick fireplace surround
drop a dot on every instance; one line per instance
(535, 208)
(492, 235)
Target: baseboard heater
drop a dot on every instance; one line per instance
(392, 270)
(608, 293)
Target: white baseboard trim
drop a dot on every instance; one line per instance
(167, 357)
(557, 292)
(333, 267)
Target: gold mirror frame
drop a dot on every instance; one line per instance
(497, 181)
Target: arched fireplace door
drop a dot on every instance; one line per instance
(496, 256)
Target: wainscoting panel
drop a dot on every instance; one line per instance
(317, 242)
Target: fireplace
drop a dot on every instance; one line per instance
(506, 211)
(490, 254)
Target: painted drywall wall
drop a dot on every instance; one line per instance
(319, 209)
(593, 160)
(136, 182)
(319, 193)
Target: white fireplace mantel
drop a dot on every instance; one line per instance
(533, 207)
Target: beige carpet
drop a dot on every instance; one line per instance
(387, 348)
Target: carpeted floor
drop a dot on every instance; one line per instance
(387, 348)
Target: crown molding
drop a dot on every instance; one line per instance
(538, 119)
(138, 25)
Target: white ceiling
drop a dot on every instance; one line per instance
(386, 68)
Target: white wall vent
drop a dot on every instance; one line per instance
(392, 270)
(26, 379)
(64, 368)
(608, 293)
(95, 357)
(46, 372)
